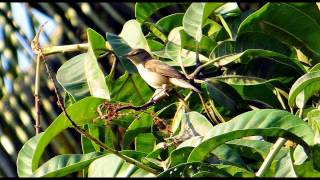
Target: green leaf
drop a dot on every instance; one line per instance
(174, 49)
(24, 159)
(113, 166)
(94, 75)
(72, 77)
(266, 122)
(179, 156)
(138, 40)
(194, 168)
(193, 124)
(169, 22)
(131, 88)
(304, 88)
(306, 170)
(156, 30)
(259, 40)
(250, 54)
(144, 10)
(224, 95)
(65, 164)
(195, 16)
(314, 122)
(120, 48)
(257, 150)
(142, 124)
(294, 23)
(81, 112)
(145, 142)
(247, 80)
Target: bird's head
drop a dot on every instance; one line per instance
(138, 56)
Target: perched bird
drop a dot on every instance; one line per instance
(156, 73)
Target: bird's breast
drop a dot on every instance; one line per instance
(154, 79)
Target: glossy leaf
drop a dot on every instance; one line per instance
(94, 75)
(130, 88)
(145, 142)
(308, 84)
(250, 54)
(113, 166)
(120, 48)
(136, 41)
(140, 125)
(293, 23)
(24, 159)
(169, 22)
(224, 95)
(77, 114)
(63, 165)
(267, 122)
(72, 77)
(247, 80)
(314, 122)
(192, 169)
(144, 10)
(195, 16)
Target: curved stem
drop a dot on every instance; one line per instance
(273, 152)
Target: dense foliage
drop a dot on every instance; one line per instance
(259, 76)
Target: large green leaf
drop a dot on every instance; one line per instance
(120, 48)
(175, 49)
(63, 165)
(71, 75)
(136, 41)
(224, 95)
(294, 23)
(169, 22)
(81, 112)
(250, 54)
(304, 88)
(267, 122)
(144, 10)
(145, 142)
(247, 80)
(314, 122)
(24, 159)
(113, 166)
(140, 125)
(257, 150)
(259, 40)
(195, 16)
(94, 75)
(130, 88)
(216, 170)
(195, 123)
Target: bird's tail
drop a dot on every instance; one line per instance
(183, 83)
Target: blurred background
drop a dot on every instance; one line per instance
(66, 24)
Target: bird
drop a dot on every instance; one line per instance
(156, 73)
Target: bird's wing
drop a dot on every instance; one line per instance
(162, 68)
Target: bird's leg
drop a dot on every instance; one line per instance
(159, 93)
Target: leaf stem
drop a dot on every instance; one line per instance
(273, 152)
(36, 95)
(67, 48)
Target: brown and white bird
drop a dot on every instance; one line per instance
(157, 74)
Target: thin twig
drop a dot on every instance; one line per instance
(36, 48)
(273, 152)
